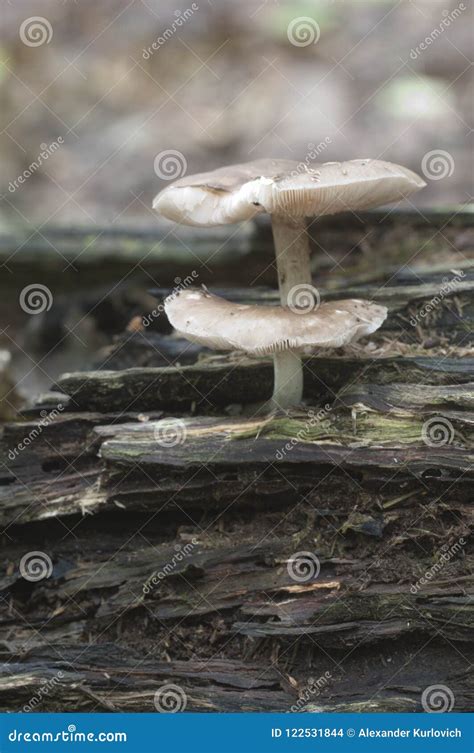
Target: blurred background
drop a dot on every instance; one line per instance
(103, 101)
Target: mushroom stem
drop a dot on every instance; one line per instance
(292, 256)
(288, 379)
(294, 271)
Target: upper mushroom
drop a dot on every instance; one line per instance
(284, 188)
(290, 192)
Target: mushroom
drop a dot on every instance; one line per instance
(290, 195)
(216, 323)
(290, 192)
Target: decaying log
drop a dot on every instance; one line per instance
(172, 517)
(108, 678)
(372, 431)
(109, 253)
(211, 384)
(9, 400)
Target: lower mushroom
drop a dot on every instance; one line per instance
(282, 332)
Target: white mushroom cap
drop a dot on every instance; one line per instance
(212, 321)
(284, 187)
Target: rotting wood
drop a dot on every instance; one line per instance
(216, 384)
(106, 677)
(123, 612)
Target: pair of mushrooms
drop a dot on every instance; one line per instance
(290, 196)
